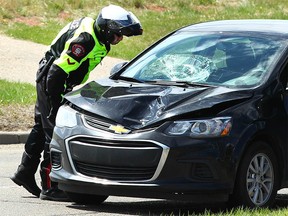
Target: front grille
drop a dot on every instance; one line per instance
(104, 124)
(118, 143)
(115, 173)
(122, 160)
(97, 123)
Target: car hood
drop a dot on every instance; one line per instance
(139, 105)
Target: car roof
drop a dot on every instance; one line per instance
(270, 26)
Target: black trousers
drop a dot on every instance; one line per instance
(42, 131)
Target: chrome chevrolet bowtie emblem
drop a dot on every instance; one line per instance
(119, 129)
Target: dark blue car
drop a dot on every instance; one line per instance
(199, 116)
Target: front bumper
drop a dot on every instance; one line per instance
(196, 193)
(146, 164)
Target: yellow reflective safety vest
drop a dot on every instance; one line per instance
(77, 50)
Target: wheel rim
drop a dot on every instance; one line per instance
(260, 179)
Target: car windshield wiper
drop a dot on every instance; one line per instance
(130, 79)
(177, 83)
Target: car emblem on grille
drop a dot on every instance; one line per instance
(119, 129)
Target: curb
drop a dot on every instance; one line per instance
(15, 137)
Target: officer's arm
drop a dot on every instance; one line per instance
(55, 84)
(68, 62)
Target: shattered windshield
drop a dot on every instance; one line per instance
(233, 60)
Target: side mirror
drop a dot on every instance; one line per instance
(117, 67)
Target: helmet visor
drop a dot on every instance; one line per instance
(124, 27)
(132, 30)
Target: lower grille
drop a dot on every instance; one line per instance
(121, 160)
(115, 173)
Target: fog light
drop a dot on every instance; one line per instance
(56, 160)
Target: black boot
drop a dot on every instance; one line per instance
(50, 189)
(54, 194)
(25, 174)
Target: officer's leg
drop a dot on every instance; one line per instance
(50, 189)
(25, 174)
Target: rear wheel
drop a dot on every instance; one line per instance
(86, 198)
(258, 177)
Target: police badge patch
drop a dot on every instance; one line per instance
(78, 50)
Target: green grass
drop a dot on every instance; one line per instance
(16, 93)
(244, 212)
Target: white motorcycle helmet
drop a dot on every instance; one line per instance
(116, 20)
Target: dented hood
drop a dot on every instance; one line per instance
(140, 105)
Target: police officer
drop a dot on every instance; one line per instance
(78, 49)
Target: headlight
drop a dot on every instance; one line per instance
(215, 127)
(66, 117)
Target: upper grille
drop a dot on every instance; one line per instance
(105, 125)
(96, 123)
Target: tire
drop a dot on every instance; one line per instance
(257, 179)
(86, 198)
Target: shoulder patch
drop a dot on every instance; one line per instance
(78, 50)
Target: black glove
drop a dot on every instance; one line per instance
(55, 103)
(52, 116)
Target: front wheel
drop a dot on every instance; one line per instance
(86, 198)
(258, 177)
